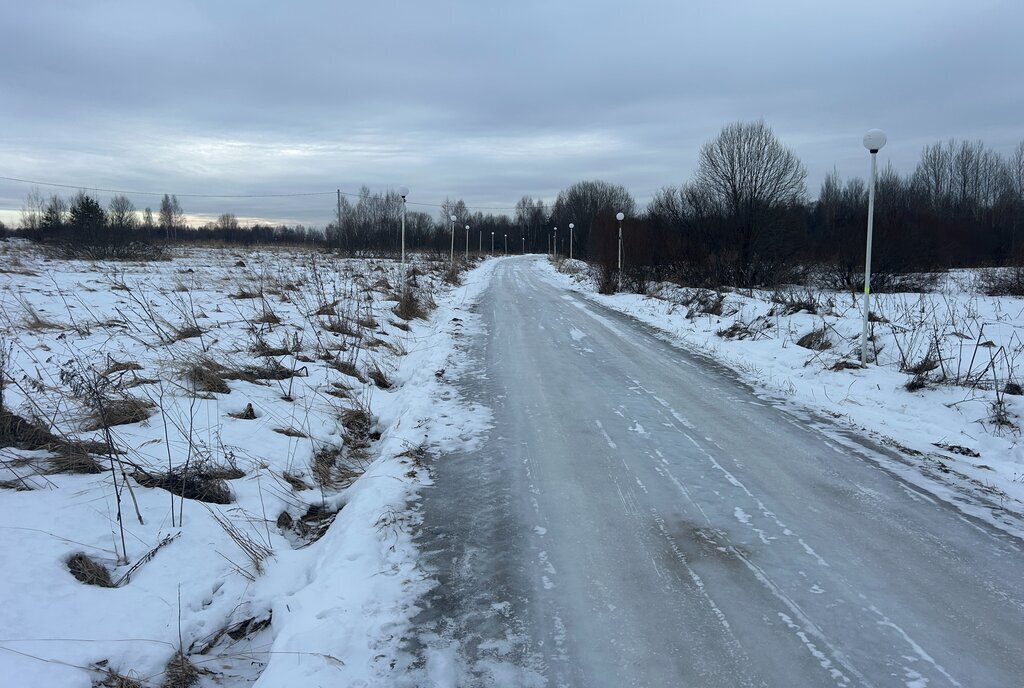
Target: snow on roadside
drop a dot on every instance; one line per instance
(959, 431)
(287, 381)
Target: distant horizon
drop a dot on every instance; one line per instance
(311, 197)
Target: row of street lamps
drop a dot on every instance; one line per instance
(874, 140)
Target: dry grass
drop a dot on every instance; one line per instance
(815, 340)
(324, 465)
(290, 432)
(123, 411)
(205, 376)
(185, 332)
(203, 482)
(314, 523)
(112, 679)
(410, 306)
(119, 367)
(347, 368)
(343, 326)
(180, 673)
(295, 480)
(35, 322)
(248, 413)
(69, 456)
(379, 378)
(89, 571)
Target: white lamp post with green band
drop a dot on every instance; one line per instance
(873, 141)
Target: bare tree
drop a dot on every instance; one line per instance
(55, 214)
(583, 203)
(754, 180)
(32, 211)
(121, 214)
(227, 222)
(171, 216)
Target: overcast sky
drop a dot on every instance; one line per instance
(480, 100)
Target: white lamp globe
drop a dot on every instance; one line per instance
(874, 140)
(572, 225)
(467, 226)
(452, 218)
(403, 191)
(620, 217)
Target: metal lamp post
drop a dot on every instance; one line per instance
(451, 258)
(524, 246)
(554, 244)
(873, 141)
(620, 217)
(403, 191)
(572, 226)
(467, 242)
(492, 243)
(480, 248)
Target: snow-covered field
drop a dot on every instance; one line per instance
(280, 392)
(942, 390)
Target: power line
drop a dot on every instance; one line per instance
(198, 195)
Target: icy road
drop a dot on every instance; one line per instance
(638, 517)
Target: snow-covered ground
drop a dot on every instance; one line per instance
(281, 384)
(955, 427)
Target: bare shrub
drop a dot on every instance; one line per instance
(89, 571)
(704, 301)
(1002, 281)
(791, 303)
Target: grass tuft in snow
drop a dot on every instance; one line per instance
(202, 481)
(180, 673)
(89, 571)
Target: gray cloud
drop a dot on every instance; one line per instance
(480, 100)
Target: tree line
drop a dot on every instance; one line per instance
(744, 218)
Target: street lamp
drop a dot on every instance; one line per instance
(403, 191)
(451, 258)
(571, 227)
(467, 242)
(620, 217)
(480, 248)
(554, 244)
(492, 243)
(873, 141)
(506, 244)
(524, 246)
